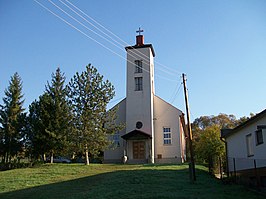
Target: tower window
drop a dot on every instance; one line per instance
(138, 66)
(138, 84)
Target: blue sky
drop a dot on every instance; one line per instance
(220, 45)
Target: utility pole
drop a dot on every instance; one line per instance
(192, 162)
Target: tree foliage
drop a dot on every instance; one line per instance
(209, 144)
(37, 134)
(89, 95)
(50, 118)
(206, 136)
(12, 120)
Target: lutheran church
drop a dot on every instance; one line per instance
(153, 130)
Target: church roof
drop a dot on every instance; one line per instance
(168, 103)
(136, 135)
(142, 46)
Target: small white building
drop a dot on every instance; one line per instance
(246, 148)
(153, 129)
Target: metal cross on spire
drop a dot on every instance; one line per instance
(139, 31)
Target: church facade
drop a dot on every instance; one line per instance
(153, 130)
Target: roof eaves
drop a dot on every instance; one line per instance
(228, 132)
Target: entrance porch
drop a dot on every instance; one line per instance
(138, 147)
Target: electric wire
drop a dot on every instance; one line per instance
(175, 94)
(71, 25)
(83, 33)
(90, 37)
(175, 71)
(121, 48)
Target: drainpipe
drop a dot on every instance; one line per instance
(226, 155)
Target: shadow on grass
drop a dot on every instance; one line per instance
(143, 183)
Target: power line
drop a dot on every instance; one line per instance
(96, 32)
(175, 94)
(71, 25)
(170, 73)
(125, 43)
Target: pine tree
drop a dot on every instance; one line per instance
(39, 139)
(11, 117)
(60, 115)
(50, 118)
(90, 95)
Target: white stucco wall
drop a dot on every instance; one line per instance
(237, 147)
(166, 115)
(139, 103)
(115, 154)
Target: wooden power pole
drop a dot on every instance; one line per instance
(192, 162)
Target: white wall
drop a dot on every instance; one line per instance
(237, 147)
(115, 154)
(165, 115)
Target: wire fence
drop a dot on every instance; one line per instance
(247, 171)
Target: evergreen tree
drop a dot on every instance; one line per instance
(49, 119)
(11, 119)
(36, 144)
(60, 115)
(90, 95)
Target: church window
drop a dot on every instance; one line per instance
(116, 138)
(167, 137)
(138, 84)
(138, 66)
(139, 125)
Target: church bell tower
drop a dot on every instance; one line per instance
(140, 91)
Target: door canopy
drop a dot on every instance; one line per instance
(136, 135)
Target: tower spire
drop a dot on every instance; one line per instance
(140, 37)
(139, 31)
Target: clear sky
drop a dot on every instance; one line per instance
(220, 45)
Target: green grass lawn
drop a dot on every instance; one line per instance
(115, 181)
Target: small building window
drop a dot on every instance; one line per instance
(116, 138)
(167, 137)
(138, 84)
(250, 148)
(138, 66)
(259, 136)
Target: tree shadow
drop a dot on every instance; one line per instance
(143, 183)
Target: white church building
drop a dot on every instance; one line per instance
(153, 130)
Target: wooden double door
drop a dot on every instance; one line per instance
(139, 151)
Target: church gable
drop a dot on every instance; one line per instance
(152, 126)
(162, 108)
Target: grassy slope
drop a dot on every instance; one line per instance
(114, 181)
